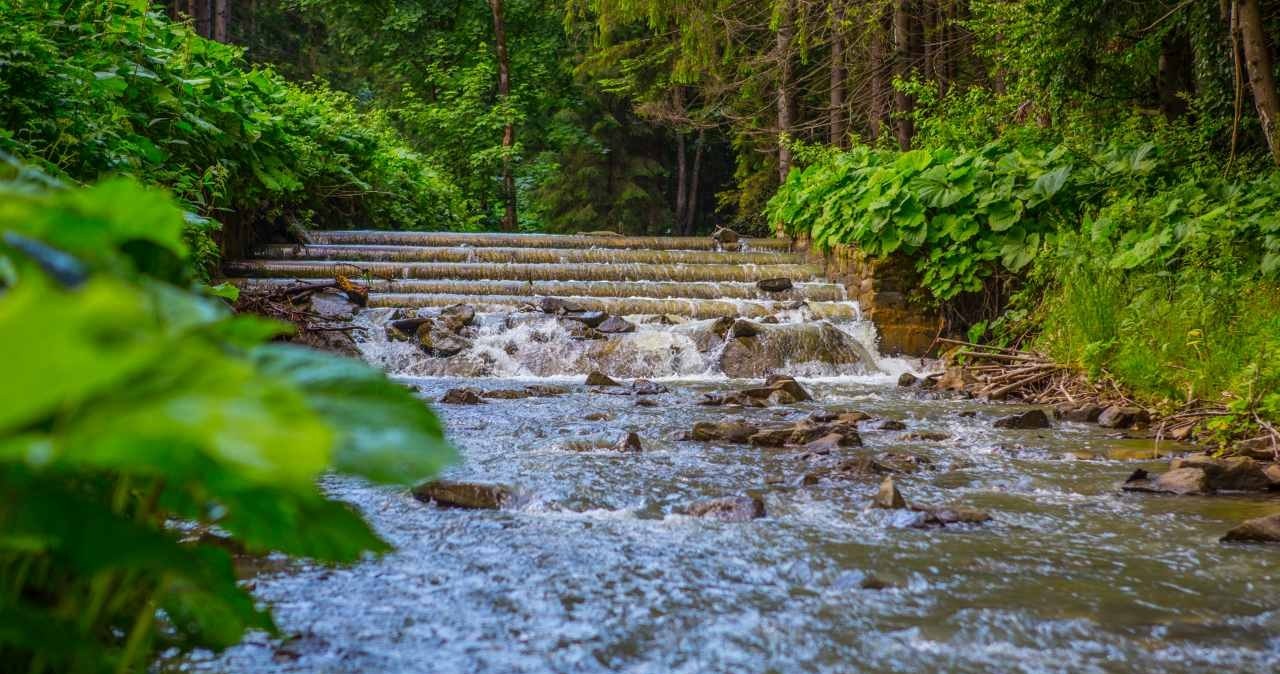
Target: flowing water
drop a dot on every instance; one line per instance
(594, 569)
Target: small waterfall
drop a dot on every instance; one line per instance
(692, 308)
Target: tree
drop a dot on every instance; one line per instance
(1258, 62)
(902, 58)
(509, 221)
(839, 74)
(785, 34)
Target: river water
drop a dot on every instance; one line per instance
(595, 570)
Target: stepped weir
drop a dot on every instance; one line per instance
(548, 305)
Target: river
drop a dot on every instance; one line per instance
(596, 570)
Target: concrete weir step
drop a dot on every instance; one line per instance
(749, 273)
(501, 254)
(621, 306)
(813, 292)
(485, 240)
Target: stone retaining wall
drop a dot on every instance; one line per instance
(885, 290)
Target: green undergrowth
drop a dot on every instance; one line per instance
(147, 430)
(92, 89)
(1136, 262)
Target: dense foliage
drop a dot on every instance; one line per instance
(96, 88)
(149, 430)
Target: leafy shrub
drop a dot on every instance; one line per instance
(959, 214)
(135, 403)
(108, 87)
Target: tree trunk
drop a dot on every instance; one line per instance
(682, 179)
(220, 18)
(509, 132)
(838, 74)
(691, 213)
(201, 12)
(902, 103)
(1258, 63)
(786, 32)
(1176, 73)
(878, 110)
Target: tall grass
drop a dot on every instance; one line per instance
(1208, 331)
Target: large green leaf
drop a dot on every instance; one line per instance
(59, 348)
(386, 434)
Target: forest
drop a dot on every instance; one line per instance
(1094, 181)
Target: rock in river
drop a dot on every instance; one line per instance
(1027, 420)
(615, 325)
(775, 285)
(756, 349)
(1119, 416)
(729, 509)
(1258, 530)
(464, 495)
(600, 379)
(629, 443)
(889, 497)
(735, 432)
(462, 396)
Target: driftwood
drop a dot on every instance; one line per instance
(291, 304)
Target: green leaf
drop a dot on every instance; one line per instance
(1001, 215)
(386, 434)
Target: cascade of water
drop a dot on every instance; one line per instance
(682, 295)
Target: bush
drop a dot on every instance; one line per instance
(107, 87)
(139, 409)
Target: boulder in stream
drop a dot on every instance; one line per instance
(1080, 413)
(944, 515)
(735, 432)
(1179, 481)
(725, 236)
(775, 285)
(888, 496)
(1257, 530)
(646, 387)
(462, 396)
(1237, 473)
(464, 495)
(729, 509)
(439, 342)
(616, 325)
(907, 380)
(558, 306)
(757, 349)
(457, 316)
(1120, 416)
(1031, 419)
(600, 379)
(592, 319)
(629, 443)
